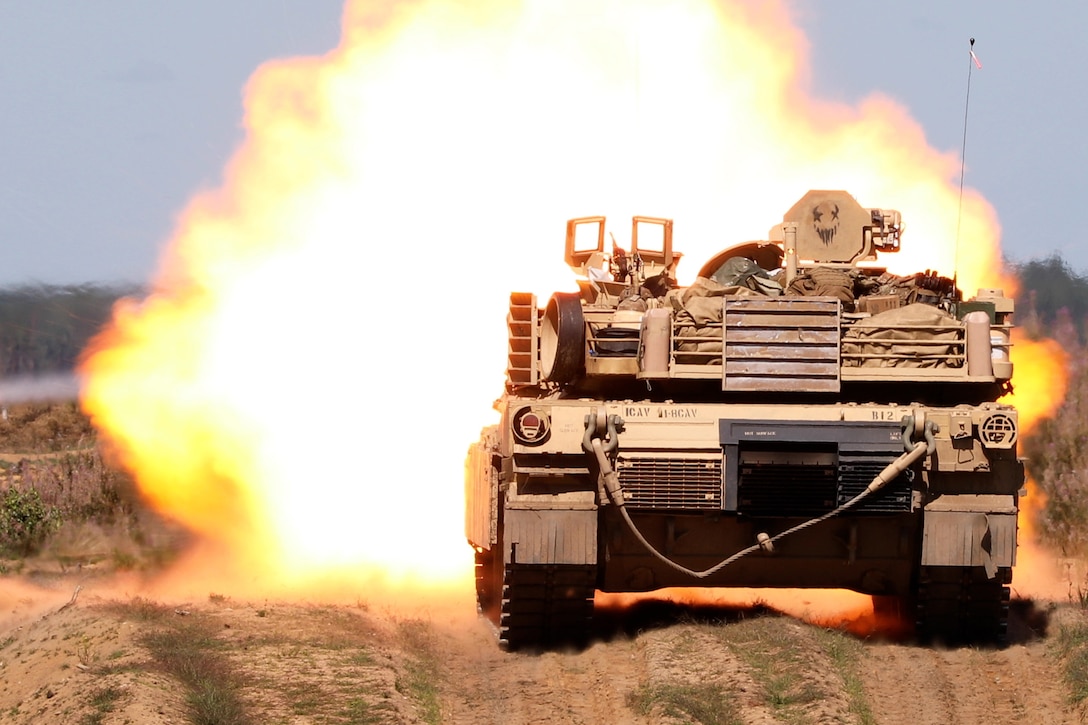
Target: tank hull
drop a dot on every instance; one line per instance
(702, 483)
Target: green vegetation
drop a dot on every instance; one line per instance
(845, 651)
(336, 675)
(53, 481)
(39, 428)
(1053, 302)
(423, 671)
(772, 650)
(103, 701)
(707, 703)
(1051, 296)
(1058, 461)
(776, 663)
(1071, 645)
(25, 521)
(188, 650)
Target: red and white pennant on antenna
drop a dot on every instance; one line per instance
(978, 63)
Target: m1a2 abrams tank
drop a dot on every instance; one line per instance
(797, 417)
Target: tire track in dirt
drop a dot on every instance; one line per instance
(487, 685)
(914, 685)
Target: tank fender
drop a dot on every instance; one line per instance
(482, 490)
(550, 536)
(970, 530)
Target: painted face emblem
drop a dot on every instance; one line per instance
(531, 428)
(825, 218)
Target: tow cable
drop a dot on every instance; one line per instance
(601, 440)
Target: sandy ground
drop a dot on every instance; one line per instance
(312, 662)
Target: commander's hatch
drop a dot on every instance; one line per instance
(650, 254)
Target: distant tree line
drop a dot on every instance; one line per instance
(43, 328)
(1052, 297)
(1053, 302)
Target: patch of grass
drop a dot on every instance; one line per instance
(139, 609)
(339, 629)
(307, 698)
(707, 703)
(423, 670)
(362, 658)
(123, 560)
(189, 651)
(324, 701)
(103, 701)
(361, 712)
(845, 652)
(770, 647)
(1072, 647)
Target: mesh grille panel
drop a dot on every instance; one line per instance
(857, 471)
(676, 484)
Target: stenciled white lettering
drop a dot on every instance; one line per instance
(677, 413)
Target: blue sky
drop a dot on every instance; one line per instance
(115, 112)
(1025, 146)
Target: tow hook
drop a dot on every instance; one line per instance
(599, 425)
(602, 440)
(919, 424)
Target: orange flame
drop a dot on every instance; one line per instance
(1041, 372)
(325, 334)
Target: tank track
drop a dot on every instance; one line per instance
(488, 585)
(545, 605)
(962, 605)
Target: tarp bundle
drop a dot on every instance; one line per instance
(915, 336)
(825, 282)
(919, 333)
(698, 314)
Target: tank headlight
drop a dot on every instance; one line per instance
(531, 427)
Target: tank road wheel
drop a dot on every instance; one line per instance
(960, 605)
(544, 605)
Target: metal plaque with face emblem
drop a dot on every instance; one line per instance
(831, 227)
(530, 427)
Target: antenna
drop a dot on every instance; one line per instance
(971, 61)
